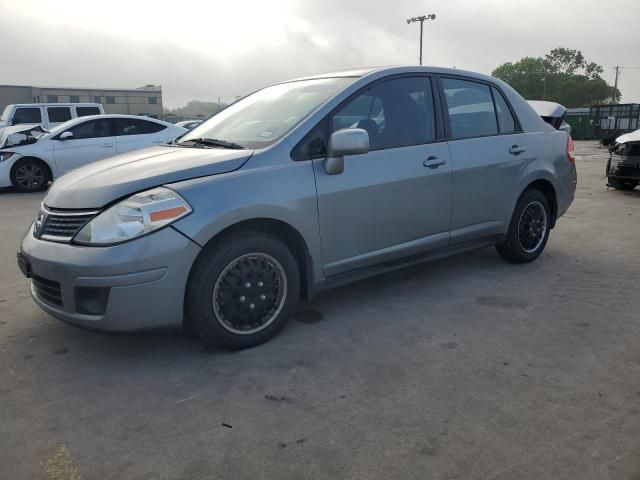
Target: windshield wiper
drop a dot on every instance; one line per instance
(213, 142)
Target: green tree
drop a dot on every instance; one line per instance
(196, 109)
(562, 76)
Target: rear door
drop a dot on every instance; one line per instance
(136, 133)
(489, 152)
(395, 200)
(92, 140)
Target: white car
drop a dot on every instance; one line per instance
(34, 161)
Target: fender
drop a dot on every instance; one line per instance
(254, 194)
(530, 178)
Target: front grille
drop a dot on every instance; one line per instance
(61, 226)
(47, 290)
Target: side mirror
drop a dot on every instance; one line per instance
(350, 141)
(65, 136)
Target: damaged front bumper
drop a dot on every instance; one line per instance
(623, 167)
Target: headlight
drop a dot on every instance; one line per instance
(138, 215)
(5, 156)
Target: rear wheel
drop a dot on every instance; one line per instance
(529, 228)
(30, 175)
(242, 290)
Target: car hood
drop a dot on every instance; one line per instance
(19, 134)
(99, 183)
(629, 137)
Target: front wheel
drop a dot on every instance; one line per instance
(30, 175)
(242, 290)
(529, 228)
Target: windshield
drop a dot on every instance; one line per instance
(262, 118)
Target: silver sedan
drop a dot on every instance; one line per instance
(296, 188)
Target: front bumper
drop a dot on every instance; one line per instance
(5, 171)
(624, 167)
(144, 280)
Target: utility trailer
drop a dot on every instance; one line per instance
(611, 121)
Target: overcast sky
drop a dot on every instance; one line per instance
(205, 49)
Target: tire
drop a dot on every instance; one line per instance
(529, 228)
(230, 280)
(30, 175)
(622, 184)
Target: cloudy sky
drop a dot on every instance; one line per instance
(205, 49)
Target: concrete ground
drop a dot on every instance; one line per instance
(466, 368)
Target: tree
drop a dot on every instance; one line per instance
(562, 76)
(196, 108)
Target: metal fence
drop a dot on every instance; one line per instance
(611, 121)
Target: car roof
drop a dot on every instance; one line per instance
(60, 104)
(75, 121)
(111, 115)
(354, 72)
(394, 69)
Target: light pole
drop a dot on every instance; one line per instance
(431, 16)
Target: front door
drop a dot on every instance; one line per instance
(92, 140)
(395, 200)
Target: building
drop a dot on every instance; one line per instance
(132, 101)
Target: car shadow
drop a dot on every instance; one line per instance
(628, 193)
(307, 322)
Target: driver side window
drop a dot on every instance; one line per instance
(396, 113)
(92, 129)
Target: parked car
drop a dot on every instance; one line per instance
(30, 166)
(296, 188)
(49, 115)
(189, 124)
(623, 166)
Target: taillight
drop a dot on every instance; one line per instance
(571, 151)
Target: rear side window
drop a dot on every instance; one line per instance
(59, 114)
(395, 113)
(506, 122)
(134, 126)
(86, 111)
(91, 129)
(470, 106)
(27, 115)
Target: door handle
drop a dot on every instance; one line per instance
(106, 145)
(517, 150)
(434, 162)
